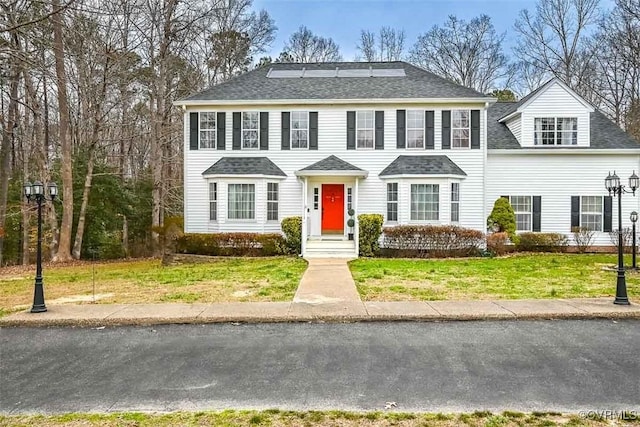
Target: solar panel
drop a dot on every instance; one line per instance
(358, 72)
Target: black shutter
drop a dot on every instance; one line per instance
(264, 130)
(446, 129)
(286, 131)
(313, 130)
(401, 123)
(430, 126)
(379, 130)
(608, 214)
(237, 131)
(222, 126)
(575, 211)
(351, 130)
(193, 131)
(537, 210)
(475, 129)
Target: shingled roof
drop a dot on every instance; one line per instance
(244, 166)
(604, 133)
(256, 85)
(422, 165)
(331, 163)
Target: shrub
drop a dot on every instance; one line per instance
(582, 236)
(432, 240)
(370, 229)
(230, 244)
(542, 242)
(497, 243)
(627, 236)
(292, 229)
(503, 219)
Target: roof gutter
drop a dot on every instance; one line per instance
(561, 151)
(204, 102)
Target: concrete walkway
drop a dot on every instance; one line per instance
(96, 315)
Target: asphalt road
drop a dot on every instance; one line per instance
(565, 366)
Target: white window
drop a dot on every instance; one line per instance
(591, 212)
(250, 129)
(207, 129)
(213, 201)
(299, 129)
(425, 202)
(415, 129)
(455, 202)
(242, 201)
(460, 128)
(556, 131)
(392, 201)
(364, 129)
(272, 201)
(523, 208)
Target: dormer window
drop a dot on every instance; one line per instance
(556, 131)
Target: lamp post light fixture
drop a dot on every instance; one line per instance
(634, 218)
(36, 192)
(615, 188)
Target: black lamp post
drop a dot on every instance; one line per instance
(613, 186)
(634, 218)
(36, 192)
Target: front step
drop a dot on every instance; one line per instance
(330, 249)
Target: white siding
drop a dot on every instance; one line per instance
(555, 101)
(556, 178)
(515, 127)
(332, 139)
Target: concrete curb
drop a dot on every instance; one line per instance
(348, 312)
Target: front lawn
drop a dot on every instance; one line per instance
(147, 281)
(519, 276)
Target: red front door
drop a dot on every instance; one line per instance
(333, 208)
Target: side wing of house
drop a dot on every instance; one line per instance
(549, 154)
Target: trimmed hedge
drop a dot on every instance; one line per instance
(497, 243)
(369, 231)
(292, 229)
(542, 242)
(423, 241)
(230, 244)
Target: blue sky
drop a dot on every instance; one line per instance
(342, 20)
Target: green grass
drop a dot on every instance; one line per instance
(274, 417)
(514, 277)
(147, 281)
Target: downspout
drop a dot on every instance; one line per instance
(304, 218)
(484, 169)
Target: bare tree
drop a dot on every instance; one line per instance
(388, 45)
(469, 53)
(304, 46)
(553, 38)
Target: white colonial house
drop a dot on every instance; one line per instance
(316, 140)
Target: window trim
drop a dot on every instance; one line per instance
(456, 202)
(423, 129)
(254, 219)
(276, 201)
(424, 221)
(242, 129)
(601, 213)
(291, 130)
(453, 129)
(390, 202)
(557, 139)
(372, 129)
(516, 213)
(214, 131)
(213, 202)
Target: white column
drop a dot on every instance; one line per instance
(356, 205)
(304, 216)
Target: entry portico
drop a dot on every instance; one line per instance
(329, 192)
